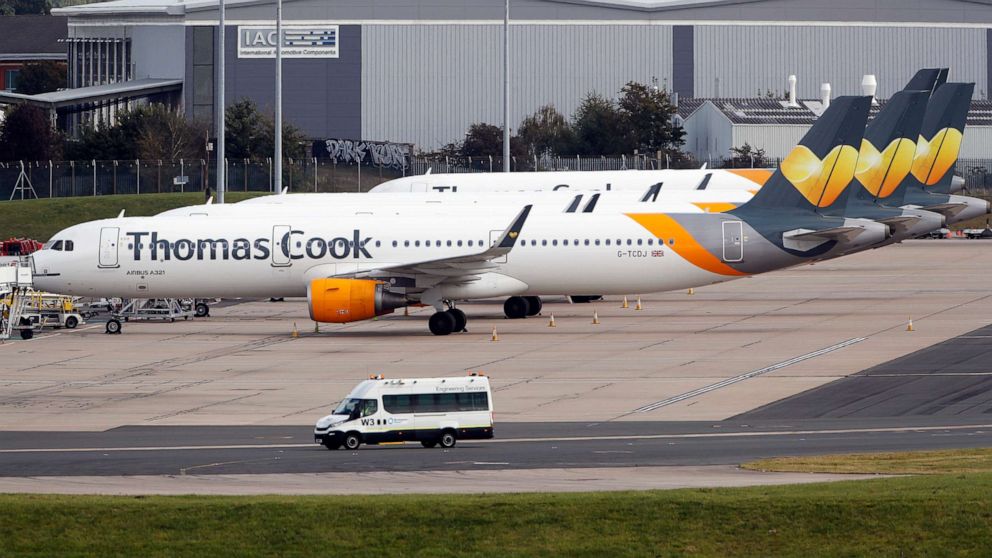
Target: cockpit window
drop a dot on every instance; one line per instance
(68, 246)
(57, 246)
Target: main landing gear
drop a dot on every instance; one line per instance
(517, 307)
(447, 322)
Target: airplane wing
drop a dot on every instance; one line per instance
(459, 268)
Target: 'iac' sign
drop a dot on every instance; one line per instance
(321, 41)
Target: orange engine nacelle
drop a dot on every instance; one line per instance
(341, 301)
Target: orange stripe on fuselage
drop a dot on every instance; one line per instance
(664, 227)
(758, 176)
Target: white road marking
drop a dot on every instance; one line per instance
(740, 378)
(750, 434)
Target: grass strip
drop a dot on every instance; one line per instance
(40, 219)
(905, 516)
(977, 460)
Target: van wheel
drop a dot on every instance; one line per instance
(448, 439)
(428, 443)
(352, 441)
(71, 322)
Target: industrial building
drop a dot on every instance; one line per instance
(421, 72)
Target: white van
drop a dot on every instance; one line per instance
(432, 411)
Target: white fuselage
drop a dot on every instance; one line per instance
(152, 257)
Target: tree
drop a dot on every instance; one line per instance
(41, 77)
(746, 156)
(27, 135)
(600, 128)
(118, 142)
(244, 130)
(482, 140)
(648, 112)
(165, 135)
(24, 7)
(546, 132)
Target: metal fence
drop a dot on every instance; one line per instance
(54, 179)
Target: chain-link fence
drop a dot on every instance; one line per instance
(54, 179)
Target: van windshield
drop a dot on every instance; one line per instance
(347, 407)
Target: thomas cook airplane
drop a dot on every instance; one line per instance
(361, 266)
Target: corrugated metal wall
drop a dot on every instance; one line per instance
(751, 59)
(777, 141)
(426, 84)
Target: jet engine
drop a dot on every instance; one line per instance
(350, 300)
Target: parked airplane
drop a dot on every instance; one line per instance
(360, 266)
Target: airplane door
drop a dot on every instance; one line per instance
(733, 241)
(108, 246)
(280, 253)
(493, 239)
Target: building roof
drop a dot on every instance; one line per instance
(776, 112)
(33, 37)
(95, 93)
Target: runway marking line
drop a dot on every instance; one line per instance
(532, 440)
(746, 376)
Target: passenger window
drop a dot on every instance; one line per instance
(564, 242)
(394, 244)
(437, 243)
(459, 243)
(650, 242)
(587, 242)
(449, 243)
(544, 243)
(607, 241)
(629, 242)
(597, 242)
(469, 242)
(417, 243)
(554, 242)
(671, 242)
(406, 243)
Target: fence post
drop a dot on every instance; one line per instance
(50, 180)
(182, 173)
(72, 176)
(290, 174)
(137, 164)
(245, 177)
(158, 179)
(490, 163)
(269, 159)
(93, 162)
(115, 177)
(315, 175)
(359, 175)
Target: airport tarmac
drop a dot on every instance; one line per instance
(723, 352)
(742, 345)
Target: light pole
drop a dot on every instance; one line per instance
(221, 181)
(278, 119)
(506, 88)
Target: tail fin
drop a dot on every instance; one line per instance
(886, 155)
(940, 137)
(927, 79)
(818, 170)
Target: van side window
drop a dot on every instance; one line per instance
(436, 402)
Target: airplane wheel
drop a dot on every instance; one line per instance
(534, 303)
(202, 310)
(516, 307)
(441, 323)
(460, 319)
(113, 326)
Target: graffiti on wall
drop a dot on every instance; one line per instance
(372, 153)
